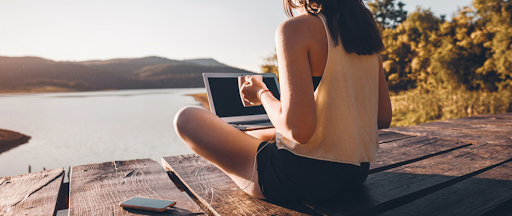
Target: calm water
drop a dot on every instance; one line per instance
(69, 129)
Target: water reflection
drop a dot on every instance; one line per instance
(70, 129)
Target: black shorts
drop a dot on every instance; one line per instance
(289, 178)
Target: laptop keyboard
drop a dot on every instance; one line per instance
(254, 122)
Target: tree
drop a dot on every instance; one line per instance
(461, 53)
(408, 50)
(387, 14)
(496, 19)
(270, 65)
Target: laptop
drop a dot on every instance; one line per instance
(225, 102)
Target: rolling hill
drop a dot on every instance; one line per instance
(34, 74)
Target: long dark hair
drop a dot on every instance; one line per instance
(348, 20)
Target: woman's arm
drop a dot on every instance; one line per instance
(295, 115)
(385, 111)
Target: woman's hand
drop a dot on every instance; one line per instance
(252, 88)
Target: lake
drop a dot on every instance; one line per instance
(79, 128)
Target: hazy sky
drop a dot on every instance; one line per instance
(239, 33)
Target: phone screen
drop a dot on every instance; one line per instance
(147, 204)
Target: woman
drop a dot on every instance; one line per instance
(325, 136)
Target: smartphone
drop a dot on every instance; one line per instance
(147, 204)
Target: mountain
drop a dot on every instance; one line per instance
(29, 73)
(168, 70)
(181, 74)
(34, 74)
(205, 62)
(126, 67)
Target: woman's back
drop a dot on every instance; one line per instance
(346, 105)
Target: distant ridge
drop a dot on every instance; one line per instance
(35, 74)
(148, 60)
(206, 62)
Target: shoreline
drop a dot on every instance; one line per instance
(201, 98)
(11, 139)
(62, 90)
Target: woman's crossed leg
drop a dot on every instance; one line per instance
(231, 150)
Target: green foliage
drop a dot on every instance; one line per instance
(416, 107)
(444, 70)
(387, 14)
(495, 19)
(270, 65)
(472, 52)
(408, 51)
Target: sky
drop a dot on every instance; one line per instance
(239, 33)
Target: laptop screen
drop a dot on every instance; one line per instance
(226, 96)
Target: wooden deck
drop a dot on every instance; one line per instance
(453, 167)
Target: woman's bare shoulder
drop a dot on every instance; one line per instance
(303, 24)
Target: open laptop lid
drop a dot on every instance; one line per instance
(224, 96)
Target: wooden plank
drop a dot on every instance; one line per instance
(474, 128)
(97, 189)
(390, 136)
(200, 175)
(31, 194)
(473, 196)
(490, 119)
(211, 187)
(503, 209)
(384, 191)
(457, 135)
(401, 152)
(497, 115)
(495, 128)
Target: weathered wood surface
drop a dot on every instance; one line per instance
(384, 191)
(504, 119)
(475, 196)
(474, 128)
(30, 194)
(443, 170)
(390, 136)
(494, 128)
(200, 176)
(405, 151)
(97, 189)
(453, 134)
(212, 189)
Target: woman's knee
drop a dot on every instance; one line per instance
(185, 119)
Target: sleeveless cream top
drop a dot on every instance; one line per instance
(346, 108)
